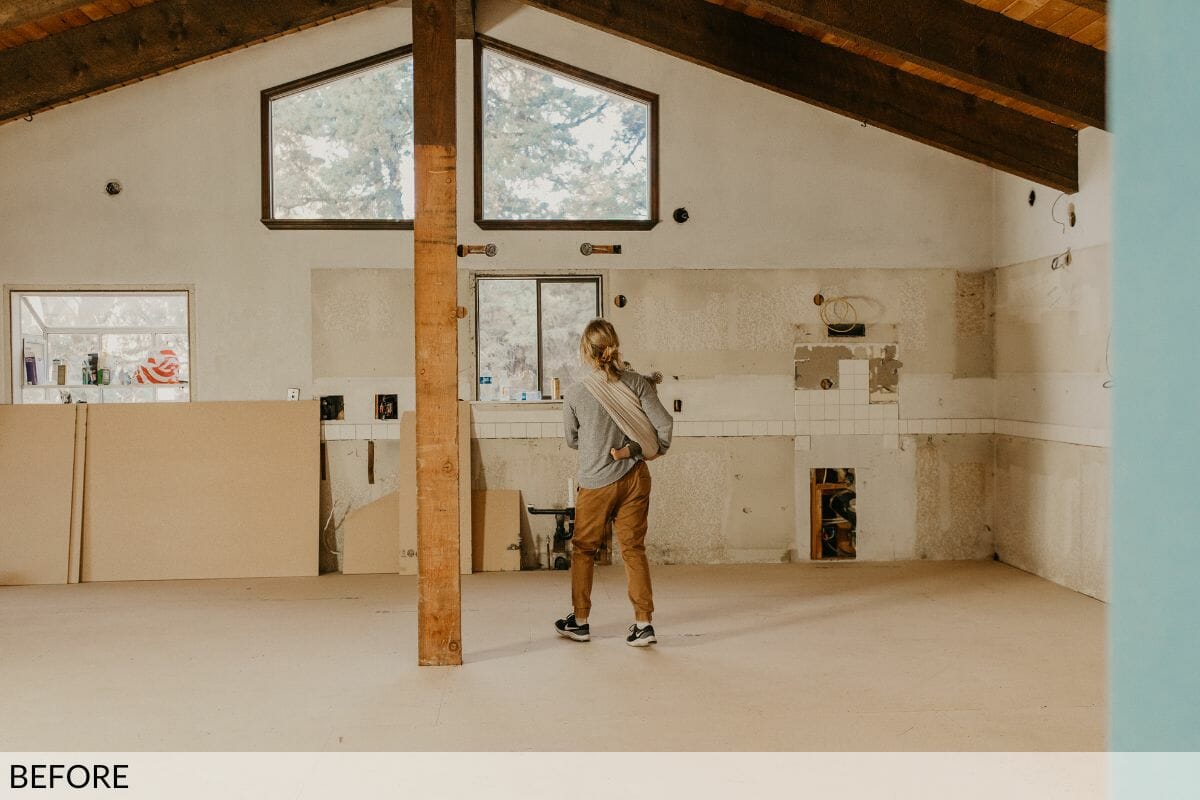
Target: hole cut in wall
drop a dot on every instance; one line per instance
(387, 407)
(834, 518)
(333, 407)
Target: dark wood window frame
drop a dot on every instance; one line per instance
(607, 84)
(298, 85)
(538, 279)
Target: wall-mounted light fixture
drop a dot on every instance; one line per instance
(488, 250)
(587, 248)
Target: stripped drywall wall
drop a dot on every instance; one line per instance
(1053, 374)
(727, 342)
(1052, 341)
(974, 311)
(857, 200)
(1052, 518)
(720, 500)
(955, 498)
(1052, 379)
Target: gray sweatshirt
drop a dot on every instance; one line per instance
(590, 430)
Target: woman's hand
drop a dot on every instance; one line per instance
(619, 454)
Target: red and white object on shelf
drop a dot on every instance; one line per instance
(163, 367)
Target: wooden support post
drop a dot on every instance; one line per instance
(435, 284)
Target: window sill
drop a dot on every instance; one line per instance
(338, 224)
(508, 404)
(566, 224)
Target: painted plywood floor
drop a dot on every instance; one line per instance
(913, 656)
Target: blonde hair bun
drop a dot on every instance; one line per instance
(600, 348)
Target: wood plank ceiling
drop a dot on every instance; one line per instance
(62, 15)
(1068, 19)
(78, 49)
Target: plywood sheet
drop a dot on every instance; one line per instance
(407, 481)
(201, 490)
(369, 535)
(76, 545)
(465, 547)
(496, 531)
(37, 456)
(369, 543)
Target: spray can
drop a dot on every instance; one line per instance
(555, 389)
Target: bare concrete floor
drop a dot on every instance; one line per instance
(912, 656)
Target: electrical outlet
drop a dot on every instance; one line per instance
(293, 394)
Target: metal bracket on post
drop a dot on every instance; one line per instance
(587, 248)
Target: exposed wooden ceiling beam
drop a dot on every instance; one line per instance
(972, 44)
(16, 13)
(144, 41)
(802, 67)
(1093, 5)
(464, 19)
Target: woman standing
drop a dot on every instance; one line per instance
(614, 419)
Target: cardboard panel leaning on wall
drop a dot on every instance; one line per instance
(496, 530)
(372, 534)
(37, 457)
(201, 490)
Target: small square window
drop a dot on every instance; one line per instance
(527, 333)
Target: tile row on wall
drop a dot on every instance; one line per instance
(346, 431)
(843, 411)
(887, 426)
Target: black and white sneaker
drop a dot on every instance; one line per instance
(640, 637)
(572, 630)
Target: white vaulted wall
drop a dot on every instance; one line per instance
(794, 198)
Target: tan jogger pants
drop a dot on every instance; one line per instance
(627, 502)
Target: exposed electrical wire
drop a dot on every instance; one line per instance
(325, 528)
(1054, 216)
(839, 314)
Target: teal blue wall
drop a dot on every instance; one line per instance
(1154, 101)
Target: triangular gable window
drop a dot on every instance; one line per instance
(558, 147)
(338, 147)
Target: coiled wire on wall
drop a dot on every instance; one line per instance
(839, 314)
